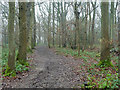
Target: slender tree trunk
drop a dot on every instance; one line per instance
(78, 30)
(89, 37)
(57, 35)
(4, 35)
(85, 32)
(115, 13)
(30, 43)
(112, 21)
(33, 44)
(63, 26)
(39, 35)
(53, 25)
(29, 21)
(75, 38)
(11, 57)
(77, 26)
(59, 24)
(33, 26)
(119, 37)
(17, 33)
(49, 26)
(22, 52)
(34, 37)
(105, 43)
(93, 24)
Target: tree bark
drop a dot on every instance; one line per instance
(77, 26)
(119, 37)
(93, 23)
(59, 40)
(76, 13)
(29, 25)
(89, 35)
(85, 32)
(112, 21)
(22, 52)
(30, 41)
(53, 25)
(11, 57)
(49, 26)
(34, 36)
(105, 43)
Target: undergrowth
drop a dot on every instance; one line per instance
(19, 68)
(97, 77)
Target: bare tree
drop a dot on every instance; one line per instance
(119, 36)
(93, 23)
(49, 26)
(22, 52)
(11, 57)
(105, 43)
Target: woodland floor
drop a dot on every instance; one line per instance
(48, 70)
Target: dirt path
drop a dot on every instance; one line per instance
(49, 71)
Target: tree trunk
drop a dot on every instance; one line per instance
(49, 26)
(115, 21)
(57, 34)
(74, 46)
(119, 37)
(85, 32)
(77, 26)
(11, 57)
(105, 43)
(63, 26)
(34, 26)
(17, 33)
(30, 43)
(53, 25)
(39, 35)
(112, 21)
(89, 35)
(59, 40)
(4, 36)
(93, 23)
(29, 25)
(22, 52)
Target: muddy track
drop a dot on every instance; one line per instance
(50, 71)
